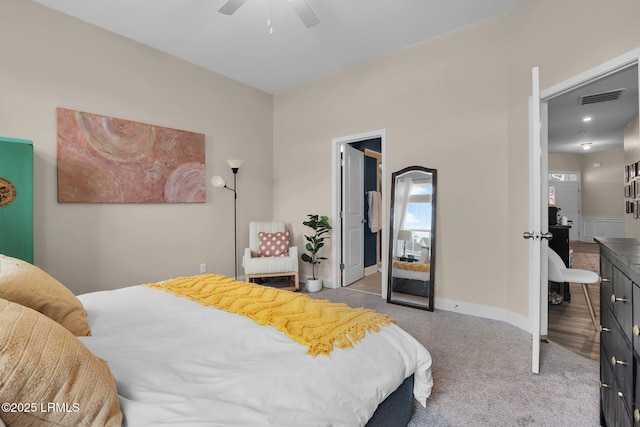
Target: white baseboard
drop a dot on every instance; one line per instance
(484, 311)
(470, 309)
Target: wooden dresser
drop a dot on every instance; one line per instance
(620, 332)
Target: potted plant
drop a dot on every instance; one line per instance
(320, 225)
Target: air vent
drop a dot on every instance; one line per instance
(611, 95)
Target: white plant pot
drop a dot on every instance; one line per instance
(314, 285)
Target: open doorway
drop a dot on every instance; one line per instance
(359, 198)
(587, 117)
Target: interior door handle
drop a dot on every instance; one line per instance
(529, 235)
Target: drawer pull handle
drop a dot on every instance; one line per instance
(636, 330)
(615, 361)
(615, 299)
(603, 385)
(603, 329)
(636, 416)
(603, 280)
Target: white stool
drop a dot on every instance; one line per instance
(558, 272)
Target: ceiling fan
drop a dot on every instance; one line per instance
(300, 7)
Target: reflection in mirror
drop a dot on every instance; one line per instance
(412, 237)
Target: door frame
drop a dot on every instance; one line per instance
(336, 185)
(619, 63)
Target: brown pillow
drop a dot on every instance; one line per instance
(48, 377)
(26, 284)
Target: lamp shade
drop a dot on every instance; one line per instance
(217, 181)
(235, 163)
(404, 235)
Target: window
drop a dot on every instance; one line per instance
(418, 217)
(563, 177)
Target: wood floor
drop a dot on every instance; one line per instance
(569, 323)
(371, 284)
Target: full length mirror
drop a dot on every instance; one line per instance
(412, 237)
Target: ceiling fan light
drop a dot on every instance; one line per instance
(586, 145)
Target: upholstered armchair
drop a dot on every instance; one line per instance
(264, 256)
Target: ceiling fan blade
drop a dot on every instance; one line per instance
(302, 9)
(231, 6)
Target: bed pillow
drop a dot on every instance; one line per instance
(26, 284)
(273, 244)
(50, 376)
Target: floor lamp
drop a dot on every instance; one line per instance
(218, 182)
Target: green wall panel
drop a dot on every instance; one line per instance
(16, 218)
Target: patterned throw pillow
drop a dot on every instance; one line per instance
(43, 364)
(273, 244)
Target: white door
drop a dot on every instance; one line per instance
(352, 215)
(538, 221)
(568, 200)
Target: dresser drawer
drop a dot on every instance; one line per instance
(612, 400)
(621, 300)
(636, 319)
(619, 357)
(636, 408)
(606, 283)
(608, 328)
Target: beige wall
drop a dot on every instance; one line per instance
(459, 104)
(631, 155)
(565, 162)
(50, 60)
(601, 195)
(433, 112)
(602, 186)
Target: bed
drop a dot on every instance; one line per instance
(176, 361)
(411, 277)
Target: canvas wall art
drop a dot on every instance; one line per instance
(109, 160)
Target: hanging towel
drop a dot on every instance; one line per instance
(375, 213)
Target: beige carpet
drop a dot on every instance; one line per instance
(482, 371)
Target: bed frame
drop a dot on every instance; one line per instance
(411, 286)
(396, 410)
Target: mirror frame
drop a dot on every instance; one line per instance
(430, 304)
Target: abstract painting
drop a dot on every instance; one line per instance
(108, 160)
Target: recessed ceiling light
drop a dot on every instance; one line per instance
(586, 119)
(585, 145)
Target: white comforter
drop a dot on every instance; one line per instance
(178, 362)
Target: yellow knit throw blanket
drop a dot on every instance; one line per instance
(320, 325)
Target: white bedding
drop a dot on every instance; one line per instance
(178, 362)
(410, 274)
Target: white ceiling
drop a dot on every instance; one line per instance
(605, 131)
(239, 46)
(350, 32)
